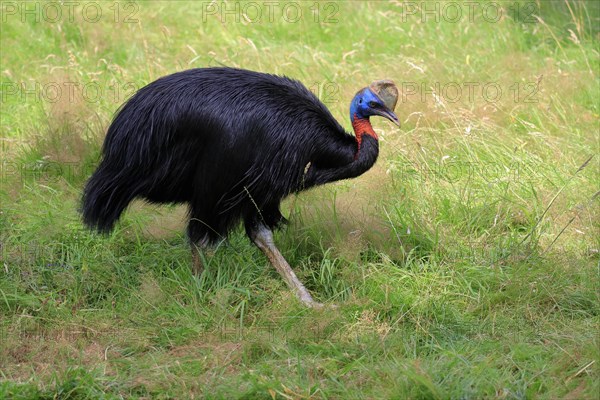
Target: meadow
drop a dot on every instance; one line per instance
(464, 264)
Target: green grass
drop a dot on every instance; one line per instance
(464, 264)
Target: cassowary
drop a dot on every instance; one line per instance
(232, 144)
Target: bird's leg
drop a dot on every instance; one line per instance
(199, 251)
(199, 236)
(197, 263)
(262, 236)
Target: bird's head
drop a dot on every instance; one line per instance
(379, 98)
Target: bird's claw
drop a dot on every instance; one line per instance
(318, 306)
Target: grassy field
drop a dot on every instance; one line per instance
(464, 264)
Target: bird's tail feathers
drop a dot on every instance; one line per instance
(105, 197)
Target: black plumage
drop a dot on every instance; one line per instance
(231, 143)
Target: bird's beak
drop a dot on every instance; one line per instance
(389, 115)
(387, 91)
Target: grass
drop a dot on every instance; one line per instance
(464, 264)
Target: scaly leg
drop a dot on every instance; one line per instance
(262, 236)
(197, 263)
(200, 251)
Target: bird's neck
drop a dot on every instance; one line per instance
(362, 126)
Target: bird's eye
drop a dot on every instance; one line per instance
(360, 101)
(373, 104)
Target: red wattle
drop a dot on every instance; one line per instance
(362, 126)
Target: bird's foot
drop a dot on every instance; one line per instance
(320, 306)
(308, 301)
(314, 304)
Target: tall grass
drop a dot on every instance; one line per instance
(464, 264)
